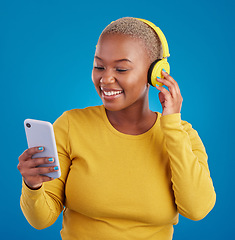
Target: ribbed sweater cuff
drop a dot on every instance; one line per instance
(33, 194)
(171, 121)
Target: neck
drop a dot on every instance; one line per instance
(126, 116)
(133, 120)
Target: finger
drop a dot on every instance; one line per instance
(161, 99)
(172, 80)
(27, 171)
(28, 153)
(42, 170)
(35, 162)
(46, 178)
(168, 84)
(171, 84)
(164, 91)
(168, 76)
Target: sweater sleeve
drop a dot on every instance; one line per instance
(191, 181)
(43, 206)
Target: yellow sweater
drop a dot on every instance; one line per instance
(117, 186)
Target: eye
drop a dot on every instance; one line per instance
(99, 68)
(121, 69)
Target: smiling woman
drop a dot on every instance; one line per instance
(126, 172)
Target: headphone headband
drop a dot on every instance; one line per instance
(160, 34)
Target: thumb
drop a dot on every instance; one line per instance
(161, 97)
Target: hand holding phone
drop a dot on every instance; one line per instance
(40, 162)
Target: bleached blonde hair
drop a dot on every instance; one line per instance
(138, 30)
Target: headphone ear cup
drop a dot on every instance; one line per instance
(155, 71)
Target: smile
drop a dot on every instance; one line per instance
(112, 93)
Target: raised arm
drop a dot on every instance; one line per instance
(192, 185)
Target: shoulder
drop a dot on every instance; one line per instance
(84, 112)
(87, 112)
(80, 122)
(85, 115)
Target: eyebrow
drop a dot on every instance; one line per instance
(119, 60)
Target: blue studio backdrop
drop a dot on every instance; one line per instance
(46, 58)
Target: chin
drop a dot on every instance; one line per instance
(115, 107)
(112, 107)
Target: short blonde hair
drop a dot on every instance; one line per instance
(139, 30)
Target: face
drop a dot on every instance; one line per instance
(120, 72)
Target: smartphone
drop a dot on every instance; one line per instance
(41, 133)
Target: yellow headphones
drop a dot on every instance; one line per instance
(156, 67)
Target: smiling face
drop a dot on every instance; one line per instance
(120, 72)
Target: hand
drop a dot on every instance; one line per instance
(30, 170)
(171, 100)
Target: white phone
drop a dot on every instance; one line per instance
(41, 133)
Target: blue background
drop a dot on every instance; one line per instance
(46, 57)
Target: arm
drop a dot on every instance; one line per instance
(191, 182)
(42, 207)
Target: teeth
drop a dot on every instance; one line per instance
(112, 93)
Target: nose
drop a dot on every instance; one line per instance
(107, 77)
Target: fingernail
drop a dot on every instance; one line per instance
(56, 168)
(163, 70)
(51, 159)
(40, 148)
(158, 78)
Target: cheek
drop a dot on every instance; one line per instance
(95, 78)
(136, 86)
(140, 83)
(139, 79)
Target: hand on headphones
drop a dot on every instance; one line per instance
(171, 100)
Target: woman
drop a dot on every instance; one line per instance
(127, 172)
